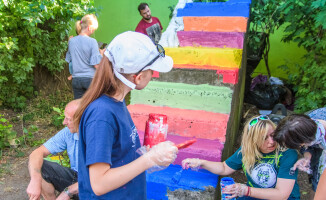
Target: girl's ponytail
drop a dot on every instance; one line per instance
(78, 26)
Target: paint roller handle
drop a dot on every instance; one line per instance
(186, 144)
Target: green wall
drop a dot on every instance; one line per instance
(281, 54)
(118, 16)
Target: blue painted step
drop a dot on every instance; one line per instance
(158, 183)
(217, 9)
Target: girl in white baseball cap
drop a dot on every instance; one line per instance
(108, 165)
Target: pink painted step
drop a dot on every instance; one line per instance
(204, 149)
(211, 39)
(182, 122)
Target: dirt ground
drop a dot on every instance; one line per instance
(15, 177)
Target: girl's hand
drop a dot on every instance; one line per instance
(193, 163)
(302, 164)
(162, 154)
(236, 190)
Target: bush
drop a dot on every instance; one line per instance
(33, 33)
(6, 133)
(307, 27)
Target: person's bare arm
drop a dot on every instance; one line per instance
(105, 179)
(321, 187)
(281, 191)
(220, 168)
(34, 166)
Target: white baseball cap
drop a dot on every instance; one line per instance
(131, 52)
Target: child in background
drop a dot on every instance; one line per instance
(108, 165)
(84, 54)
(266, 166)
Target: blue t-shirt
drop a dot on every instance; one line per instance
(266, 171)
(83, 53)
(65, 140)
(108, 135)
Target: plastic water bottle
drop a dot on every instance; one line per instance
(225, 182)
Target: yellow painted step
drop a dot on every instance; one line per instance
(222, 57)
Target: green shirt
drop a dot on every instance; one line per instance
(268, 169)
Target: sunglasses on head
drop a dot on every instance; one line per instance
(256, 119)
(161, 52)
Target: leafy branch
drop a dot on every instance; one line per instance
(33, 33)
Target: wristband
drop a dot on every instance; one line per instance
(248, 192)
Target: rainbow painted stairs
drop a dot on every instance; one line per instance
(197, 94)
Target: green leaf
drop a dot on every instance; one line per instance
(321, 19)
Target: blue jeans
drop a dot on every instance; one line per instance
(80, 85)
(60, 177)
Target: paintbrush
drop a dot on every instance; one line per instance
(186, 144)
(177, 176)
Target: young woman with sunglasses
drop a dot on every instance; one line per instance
(307, 134)
(108, 165)
(265, 164)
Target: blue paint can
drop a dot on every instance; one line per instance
(225, 182)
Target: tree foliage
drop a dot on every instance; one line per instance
(265, 18)
(33, 33)
(306, 25)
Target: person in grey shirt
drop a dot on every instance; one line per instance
(84, 55)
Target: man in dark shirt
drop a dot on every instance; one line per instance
(149, 25)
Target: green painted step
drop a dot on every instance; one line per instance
(185, 96)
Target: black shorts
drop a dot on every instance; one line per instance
(60, 177)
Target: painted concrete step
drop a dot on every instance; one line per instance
(204, 56)
(215, 24)
(203, 148)
(211, 39)
(200, 74)
(196, 76)
(204, 97)
(228, 75)
(182, 122)
(231, 9)
(160, 183)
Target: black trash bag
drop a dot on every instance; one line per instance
(276, 118)
(265, 96)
